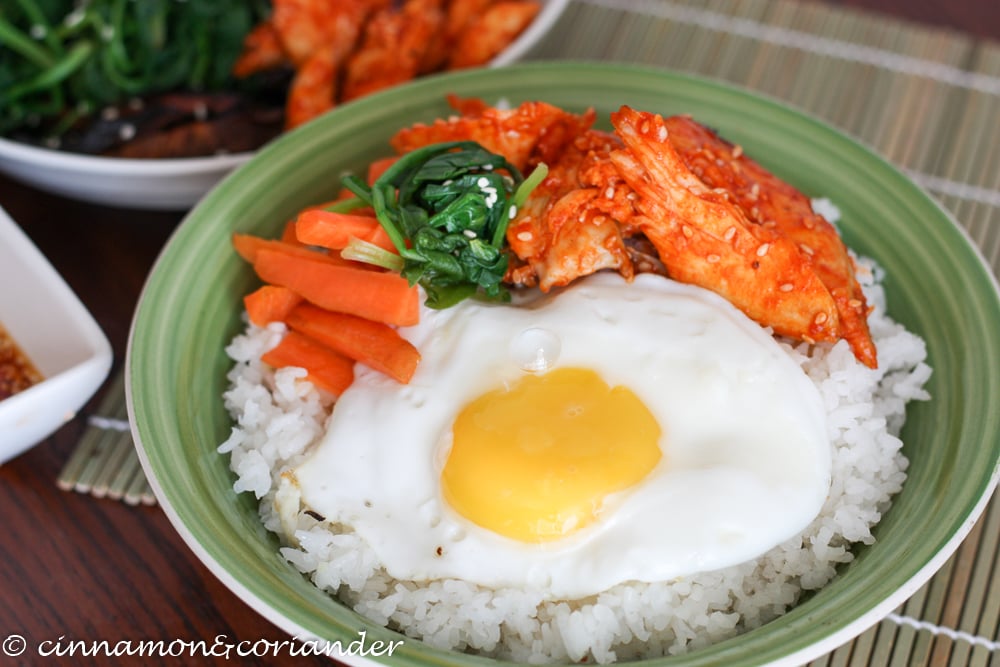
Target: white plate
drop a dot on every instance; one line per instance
(173, 184)
(57, 333)
(169, 184)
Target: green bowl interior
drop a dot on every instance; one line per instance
(936, 282)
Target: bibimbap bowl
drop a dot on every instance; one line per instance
(936, 285)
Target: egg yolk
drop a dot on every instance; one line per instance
(535, 461)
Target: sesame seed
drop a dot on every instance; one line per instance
(644, 128)
(609, 193)
(819, 319)
(630, 196)
(755, 191)
(806, 249)
(512, 212)
(487, 167)
(786, 287)
(719, 162)
(662, 133)
(687, 231)
(74, 18)
(201, 112)
(469, 233)
(737, 151)
(713, 259)
(730, 233)
(645, 267)
(809, 339)
(126, 132)
(854, 303)
(483, 182)
(38, 31)
(808, 223)
(525, 236)
(762, 250)
(109, 113)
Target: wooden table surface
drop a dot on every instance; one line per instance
(78, 568)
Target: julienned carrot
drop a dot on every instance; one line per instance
(378, 167)
(288, 234)
(380, 237)
(327, 369)
(372, 343)
(249, 246)
(383, 297)
(334, 230)
(270, 303)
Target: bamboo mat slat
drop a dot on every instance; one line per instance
(926, 99)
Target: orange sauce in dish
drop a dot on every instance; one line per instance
(17, 372)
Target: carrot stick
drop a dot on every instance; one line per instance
(383, 297)
(372, 343)
(380, 237)
(288, 234)
(333, 230)
(346, 202)
(270, 303)
(378, 167)
(248, 247)
(326, 369)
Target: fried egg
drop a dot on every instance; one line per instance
(606, 433)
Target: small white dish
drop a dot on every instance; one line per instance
(56, 332)
(175, 184)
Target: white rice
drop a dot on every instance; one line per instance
(278, 415)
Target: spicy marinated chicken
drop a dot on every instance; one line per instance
(705, 239)
(569, 226)
(531, 133)
(340, 50)
(715, 218)
(779, 210)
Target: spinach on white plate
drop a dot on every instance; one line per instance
(446, 208)
(62, 60)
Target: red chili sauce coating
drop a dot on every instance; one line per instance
(17, 373)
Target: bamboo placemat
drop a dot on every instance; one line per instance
(926, 99)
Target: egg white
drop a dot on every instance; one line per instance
(745, 466)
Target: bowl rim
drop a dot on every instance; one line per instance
(51, 158)
(536, 30)
(845, 631)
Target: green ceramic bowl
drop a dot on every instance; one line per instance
(937, 285)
